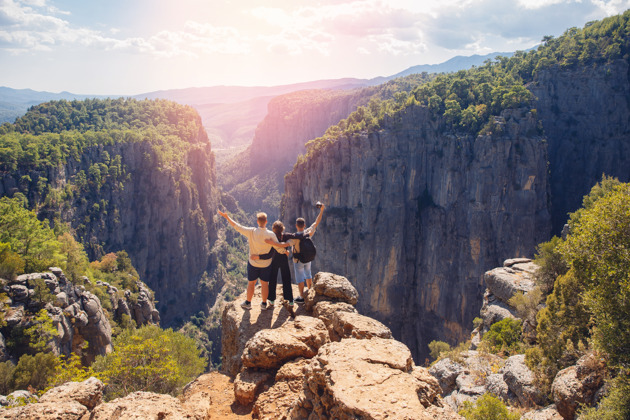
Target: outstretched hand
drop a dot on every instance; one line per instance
(224, 214)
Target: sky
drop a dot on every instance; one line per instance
(128, 47)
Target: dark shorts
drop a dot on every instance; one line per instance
(254, 273)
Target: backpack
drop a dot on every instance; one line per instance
(307, 249)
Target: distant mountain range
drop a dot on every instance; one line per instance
(230, 114)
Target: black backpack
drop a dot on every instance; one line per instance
(307, 249)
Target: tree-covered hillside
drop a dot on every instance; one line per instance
(468, 100)
(125, 174)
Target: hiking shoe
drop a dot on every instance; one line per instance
(246, 305)
(299, 300)
(271, 303)
(263, 306)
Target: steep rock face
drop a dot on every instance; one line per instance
(584, 113)
(415, 217)
(291, 121)
(162, 215)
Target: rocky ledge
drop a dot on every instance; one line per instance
(327, 362)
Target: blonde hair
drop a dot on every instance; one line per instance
(261, 217)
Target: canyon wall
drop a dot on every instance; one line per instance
(160, 210)
(585, 113)
(416, 215)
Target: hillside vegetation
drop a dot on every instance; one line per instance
(468, 100)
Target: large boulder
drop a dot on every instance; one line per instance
(355, 325)
(520, 380)
(88, 393)
(277, 402)
(505, 282)
(369, 379)
(145, 406)
(330, 287)
(446, 371)
(248, 383)
(238, 325)
(66, 410)
(270, 348)
(578, 385)
(468, 376)
(325, 310)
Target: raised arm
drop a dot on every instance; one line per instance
(319, 216)
(228, 218)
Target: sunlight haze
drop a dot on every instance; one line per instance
(130, 47)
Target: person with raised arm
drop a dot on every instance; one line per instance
(256, 268)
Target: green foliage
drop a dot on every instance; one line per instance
(437, 348)
(599, 251)
(589, 302)
(11, 264)
(504, 336)
(69, 369)
(34, 241)
(35, 371)
(467, 101)
(527, 304)
(149, 359)
(7, 369)
(615, 405)
(487, 407)
(41, 332)
(551, 263)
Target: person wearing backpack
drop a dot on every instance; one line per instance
(304, 252)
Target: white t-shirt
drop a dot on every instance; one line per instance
(256, 239)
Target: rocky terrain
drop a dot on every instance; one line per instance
(327, 362)
(77, 314)
(471, 374)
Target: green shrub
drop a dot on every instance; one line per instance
(6, 377)
(487, 407)
(35, 371)
(437, 348)
(504, 336)
(149, 359)
(41, 332)
(11, 264)
(615, 405)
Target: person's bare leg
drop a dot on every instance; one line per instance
(309, 283)
(265, 290)
(301, 287)
(250, 290)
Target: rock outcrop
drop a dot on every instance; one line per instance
(502, 283)
(76, 313)
(293, 369)
(578, 385)
(415, 215)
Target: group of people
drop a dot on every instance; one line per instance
(269, 254)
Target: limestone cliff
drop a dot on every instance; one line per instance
(255, 176)
(416, 215)
(584, 112)
(160, 212)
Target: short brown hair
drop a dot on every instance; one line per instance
(261, 217)
(278, 228)
(300, 222)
